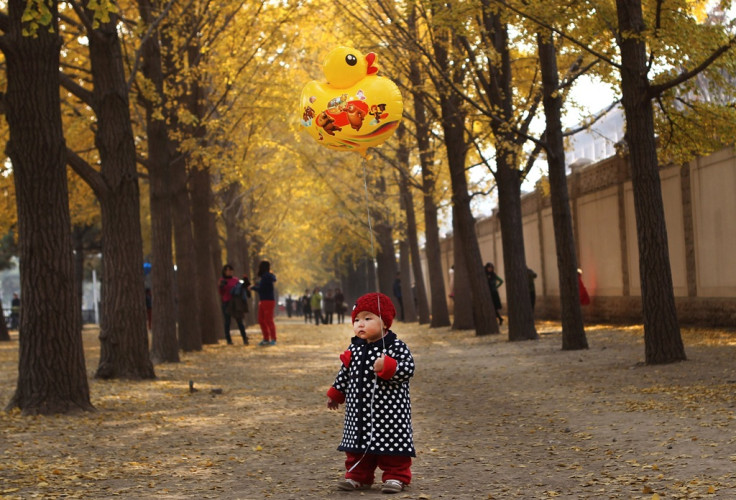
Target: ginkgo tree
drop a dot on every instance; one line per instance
(52, 376)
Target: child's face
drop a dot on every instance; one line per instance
(368, 326)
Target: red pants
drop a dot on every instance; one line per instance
(393, 467)
(265, 319)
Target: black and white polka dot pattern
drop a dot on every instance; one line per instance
(391, 419)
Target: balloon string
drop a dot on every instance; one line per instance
(373, 247)
(378, 300)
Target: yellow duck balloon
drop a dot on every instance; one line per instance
(355, 109)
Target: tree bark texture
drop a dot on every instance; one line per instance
(662, 339)
(573, 331)
(164, 342)
(385, 254)
(520, 314)
(123, 332)
(51, 369)
(407, 294)
(191, 335)
(204, 239)
(461, 294)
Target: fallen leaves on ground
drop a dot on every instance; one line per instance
(492, 419)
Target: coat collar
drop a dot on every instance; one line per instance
(387, 339)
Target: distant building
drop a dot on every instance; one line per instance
(597, 142)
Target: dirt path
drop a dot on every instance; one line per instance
(492, 419)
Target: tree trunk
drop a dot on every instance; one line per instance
(411, 265)
(210, 311)
(573, 332)
(232, 214)
(164, 345)
(453, 126)
(481, 304)
(385, 255)
(439, 314)
(78, 244)
(216, 250)
(520, 313)
(51, 372)
(462, 296)
(407, 291)
(662, 340)
(200, 188)
(123, 332)
(191, 335)
(236, 244)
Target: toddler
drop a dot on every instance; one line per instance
(373, 382)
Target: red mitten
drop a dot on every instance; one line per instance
(345, 358)
(389, 368)
(335, 395)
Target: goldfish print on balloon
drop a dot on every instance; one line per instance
(354, 109)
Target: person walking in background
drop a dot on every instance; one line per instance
(532, 291)
(329, 305)
(227, 283)
(266, 302)
(340, 305)
(298, 306)
(494, 281)
(15, 312)
(451, 275)
(584, 297)
(316, 303)
(398, 295)
(307, 306)
(288, 305)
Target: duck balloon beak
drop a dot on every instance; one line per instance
(370, 59)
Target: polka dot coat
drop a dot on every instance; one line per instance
(383, 428)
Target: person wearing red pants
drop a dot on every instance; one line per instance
(266, 302)
(377, 430)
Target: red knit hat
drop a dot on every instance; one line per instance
(371, 302)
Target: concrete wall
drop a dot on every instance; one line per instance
(700, 212)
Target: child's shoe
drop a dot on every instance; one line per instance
(264, 342)
(351, 485)
(273, 342)
(392, 486)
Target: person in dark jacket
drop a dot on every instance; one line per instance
(340, 305)
(329, 301)
(377, 430)
(494, 281)
(266, 302)
(15, 312)
(306, 306)
(227, 283)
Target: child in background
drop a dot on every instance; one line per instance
(373, 382)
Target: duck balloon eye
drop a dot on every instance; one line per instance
(351, 60)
